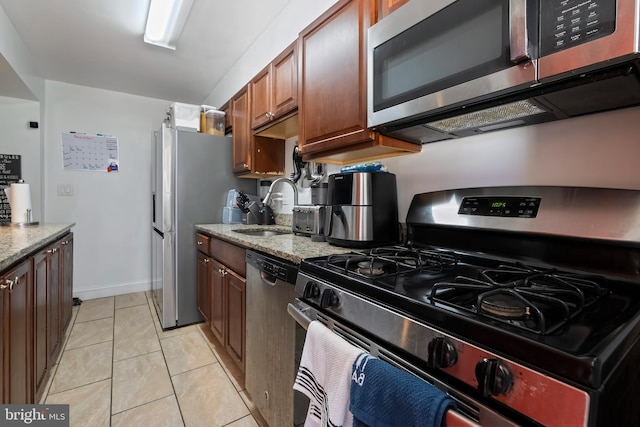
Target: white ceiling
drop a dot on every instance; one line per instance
(98, 43)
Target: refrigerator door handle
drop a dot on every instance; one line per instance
(153, 208)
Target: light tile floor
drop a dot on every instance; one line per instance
(119, 368)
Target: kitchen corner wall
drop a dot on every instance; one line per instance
(111, 210)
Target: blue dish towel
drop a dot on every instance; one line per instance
(385, 396)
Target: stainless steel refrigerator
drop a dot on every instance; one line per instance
(190, 176)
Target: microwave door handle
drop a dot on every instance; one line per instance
(518, 37)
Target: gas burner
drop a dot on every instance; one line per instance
(544, 300)
(505, 306)
(371, 268)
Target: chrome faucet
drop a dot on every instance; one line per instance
(267, 197)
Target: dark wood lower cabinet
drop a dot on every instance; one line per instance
(203, 280)
(41, 355)
(36, 299)
(236, 308)
(223, 265)
(66, 276)
(17, 334)
(218, 304)
(53, 301)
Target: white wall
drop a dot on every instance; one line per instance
(18, 138)
(15, 52)
(599, 150)
(111, 210)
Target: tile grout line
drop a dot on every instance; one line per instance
(175, 395)
(113, 350)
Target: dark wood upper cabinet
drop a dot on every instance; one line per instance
(274, 89)
(332, 88)
(388, 6)
(242, 159)
(253, 156)
(332, 76)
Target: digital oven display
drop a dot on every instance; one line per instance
(517, 207)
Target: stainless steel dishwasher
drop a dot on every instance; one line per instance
(270, 337)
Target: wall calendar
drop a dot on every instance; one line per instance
(89, 152)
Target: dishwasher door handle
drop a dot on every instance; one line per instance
(268, 279)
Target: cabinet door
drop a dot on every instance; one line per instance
(242, 136)
(217, 307)
(332, 78)
(261, 105)
(284, 82)
(17, 334)
(66, 275)
(236, 286)
(53, 302)
(40, 353)
(203, 280)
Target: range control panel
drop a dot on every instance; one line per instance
(516, 207)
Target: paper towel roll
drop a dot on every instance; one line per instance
(20, 200)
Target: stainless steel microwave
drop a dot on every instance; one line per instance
(442, 69)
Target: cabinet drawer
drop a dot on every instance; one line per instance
(203, 242)
(230, 255)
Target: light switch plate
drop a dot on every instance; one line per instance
(65, 190)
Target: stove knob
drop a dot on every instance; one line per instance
(311, 290)
(494, 377)
(442, 353)
(329, 299)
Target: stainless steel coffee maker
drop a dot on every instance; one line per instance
(362, 209)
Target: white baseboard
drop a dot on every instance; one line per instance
(109, 291)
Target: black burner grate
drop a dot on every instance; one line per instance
(539, 301)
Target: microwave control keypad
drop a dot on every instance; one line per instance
(568, 23)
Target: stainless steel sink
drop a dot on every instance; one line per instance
(262, 232)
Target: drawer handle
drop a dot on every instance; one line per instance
(206, 260)
(199, 242)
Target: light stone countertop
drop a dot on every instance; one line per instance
(18, 242)
(286, 246)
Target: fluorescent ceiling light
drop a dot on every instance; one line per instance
(165, 21)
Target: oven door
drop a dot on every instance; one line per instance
(470, 413)
(431, 55)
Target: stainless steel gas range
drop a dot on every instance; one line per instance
(522, 303)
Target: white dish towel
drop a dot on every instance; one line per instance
(324, 377)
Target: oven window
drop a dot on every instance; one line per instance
(464, 41)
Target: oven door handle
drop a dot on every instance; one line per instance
(518, 36)
(298, 311)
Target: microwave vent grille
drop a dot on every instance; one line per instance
(489, 116)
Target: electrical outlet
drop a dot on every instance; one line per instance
(65, 190)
